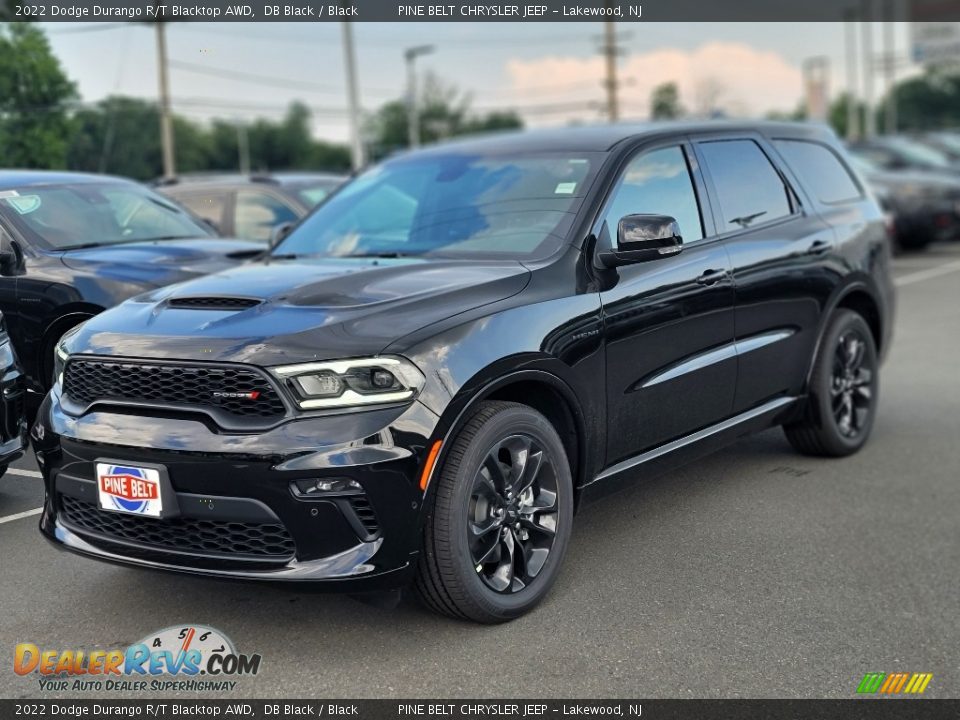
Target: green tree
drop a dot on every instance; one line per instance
(837, 115)
(665, 102)
(444, 112)
(928, 102)
(35, 96)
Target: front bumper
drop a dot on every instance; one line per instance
(237, 513)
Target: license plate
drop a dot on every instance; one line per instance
(129, 489)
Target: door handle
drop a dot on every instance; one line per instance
(819, 247)
(711, 277)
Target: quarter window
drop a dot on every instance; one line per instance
(820, 170)
(257, 214)
(659, 183)
(750, 191)
(208, 206)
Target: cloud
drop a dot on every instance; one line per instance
(733, 77)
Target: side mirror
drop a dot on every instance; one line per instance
(279, 232)
(641, 238)
(10, 257)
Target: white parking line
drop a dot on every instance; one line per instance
(19, 516)
(23, 473)
(922, 275)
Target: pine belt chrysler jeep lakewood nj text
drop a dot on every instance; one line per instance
(424, 380)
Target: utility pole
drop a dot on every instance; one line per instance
(166, 117)
(413, 111)
(890, 69)
(353, 102)
(853, 110)
(243, 148)
(866, 27)
(610, 51)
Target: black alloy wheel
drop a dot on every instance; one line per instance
(851, 384)
(499, 515)
(842, 400)
(513, 514)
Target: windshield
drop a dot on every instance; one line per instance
(451, 205)
(313, 193)
(61, 217)
(919, 154)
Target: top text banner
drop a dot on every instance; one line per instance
(534, 11)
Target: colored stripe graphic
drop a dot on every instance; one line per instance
(871, 682)
(895, 683)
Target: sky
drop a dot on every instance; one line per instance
(549, 72)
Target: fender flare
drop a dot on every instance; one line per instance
(460, 407)
(858, 284)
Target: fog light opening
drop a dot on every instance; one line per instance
(325, 487)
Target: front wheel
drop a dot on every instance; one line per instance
(842, 399)
(500, 516)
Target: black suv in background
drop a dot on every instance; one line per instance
(463, 345)
(72, 245)
(251, 207)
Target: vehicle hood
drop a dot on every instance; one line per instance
(304, 309)
(162, 262)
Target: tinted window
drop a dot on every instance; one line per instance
(451, 204)
(658, 182)
(820, 170)
(748, 187)
(95, 213)
(257, 214)
(208, 206)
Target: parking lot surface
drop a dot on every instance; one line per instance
(753, 573)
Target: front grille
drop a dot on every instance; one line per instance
(88, 381)
(209, 537)
(213, 303)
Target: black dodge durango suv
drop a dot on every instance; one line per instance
(425, 379)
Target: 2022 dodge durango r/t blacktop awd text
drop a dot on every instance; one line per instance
(433, 370)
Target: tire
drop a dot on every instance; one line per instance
(483, 557)
(842, 400)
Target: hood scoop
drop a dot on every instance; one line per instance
(213, 303)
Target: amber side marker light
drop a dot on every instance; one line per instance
(428, 465)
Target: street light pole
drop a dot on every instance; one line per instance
(413, 112)
(166, 117)
(353, 102)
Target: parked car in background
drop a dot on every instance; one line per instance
(897, 153)
(13, 423)
(945, 141)
(924, 205)
(72, 245)
(424, 379)
(251, 206)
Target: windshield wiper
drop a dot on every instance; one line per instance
(130, 241)
(385, 255)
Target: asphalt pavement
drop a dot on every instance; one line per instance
(753, 573)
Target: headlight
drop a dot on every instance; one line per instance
(60, 354)
(351, 383)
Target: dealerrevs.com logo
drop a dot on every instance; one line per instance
(180, 658)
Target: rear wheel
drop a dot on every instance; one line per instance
(843, 391)
(500, 516)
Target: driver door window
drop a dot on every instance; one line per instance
(658, 182)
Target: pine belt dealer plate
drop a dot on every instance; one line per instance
(130, 489)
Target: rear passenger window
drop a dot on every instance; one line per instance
(820, 170)
(748, 187)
